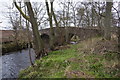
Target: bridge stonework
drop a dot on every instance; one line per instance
(82, 33)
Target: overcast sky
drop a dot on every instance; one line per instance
(4, 10)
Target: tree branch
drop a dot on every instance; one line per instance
(98, 13)
(19, 9)
(117, 13)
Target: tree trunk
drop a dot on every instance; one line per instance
(99, 25)
(92, 15)
(57, 31)
(51, 25)
(88, 19)
(38, 43)
(119, 39)
(107, 26)
(20, 18)
(57, 24)
(29, 39)
(67, 25)
(119, 30)
(16, 39)
(15, 30)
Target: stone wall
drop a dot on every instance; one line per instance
(83, 33)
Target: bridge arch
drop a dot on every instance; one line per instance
(45, 37)
(81, 33)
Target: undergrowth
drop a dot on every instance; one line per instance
(78, 61)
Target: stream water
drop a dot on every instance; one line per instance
(14, 62)
(10, 65)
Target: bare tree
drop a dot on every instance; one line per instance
(119, 29)
(40, 12)
(65, 18)
(50, 22)
(15, 23)
(29, 39)
(87, 13)
(38, 43)
(74, 9)
(80, 15)
(107, 28)
(67, 23)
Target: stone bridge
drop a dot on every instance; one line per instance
(82, 33)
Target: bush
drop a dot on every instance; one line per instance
(11, 47)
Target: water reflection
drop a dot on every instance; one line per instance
(13, 63)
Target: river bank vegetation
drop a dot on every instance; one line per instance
(87, 59)
(12, 47)
(71, 40)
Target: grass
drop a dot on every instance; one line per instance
(78, 61)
